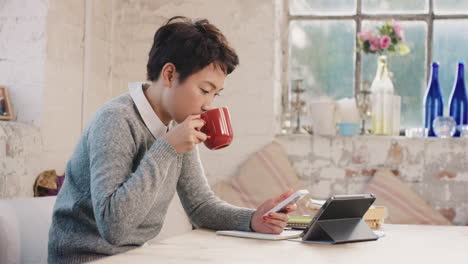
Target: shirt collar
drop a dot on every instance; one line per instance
(151, 120)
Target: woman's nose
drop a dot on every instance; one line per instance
(204, 108)
(207, 105)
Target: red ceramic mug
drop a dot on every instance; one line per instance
(217, 127)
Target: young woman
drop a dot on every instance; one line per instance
(128, 164)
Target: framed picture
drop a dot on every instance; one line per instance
(6, 111)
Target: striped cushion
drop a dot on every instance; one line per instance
(266, 174)
(404, 205)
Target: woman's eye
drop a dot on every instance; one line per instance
(217, 94)
(204, 91)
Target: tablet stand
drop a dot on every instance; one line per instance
(340, 220)
(339, 231)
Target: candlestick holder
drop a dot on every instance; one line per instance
(298, 105)
(364, 105)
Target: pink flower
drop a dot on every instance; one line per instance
(365, 35)
(398, 30)
(385, 42)
(375, 43)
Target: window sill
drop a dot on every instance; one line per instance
(371, 137)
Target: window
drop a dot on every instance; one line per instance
(322, 44)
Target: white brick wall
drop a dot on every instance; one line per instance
(249, 93)
(20, 159)
(22, 55)
(64, 59)
(64, 78)
(435, 168)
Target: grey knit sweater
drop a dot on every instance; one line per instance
(118, 185)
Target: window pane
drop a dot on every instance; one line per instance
(322, 7)
(450, 6)
(409, 71)
(449, 48)
(322, 52)
(394, 6)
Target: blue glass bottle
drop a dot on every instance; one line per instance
(433, 104)
(458, 102)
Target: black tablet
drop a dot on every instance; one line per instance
(340, 220)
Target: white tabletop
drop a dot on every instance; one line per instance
(401, 244)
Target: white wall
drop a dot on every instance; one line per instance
(61, 126)
(78, 73)
(97, 88)
(22, 55)
(64, 59)
(111, 41)
(22, 59)
(249, 94)
(55, 59)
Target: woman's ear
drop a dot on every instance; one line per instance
(168, 74)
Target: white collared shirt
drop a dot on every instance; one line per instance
(151, 120)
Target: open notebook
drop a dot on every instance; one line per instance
(286, 234)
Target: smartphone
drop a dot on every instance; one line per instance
(291, 199)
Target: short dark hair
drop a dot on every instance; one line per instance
(190, 46)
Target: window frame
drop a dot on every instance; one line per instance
(428, 17)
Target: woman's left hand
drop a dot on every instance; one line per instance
(274, 223)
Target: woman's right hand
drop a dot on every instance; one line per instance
(184, 136)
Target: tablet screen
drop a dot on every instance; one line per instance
(344, 207)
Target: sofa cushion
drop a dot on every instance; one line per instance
(24, 229)
(266, 174)
(404, 205)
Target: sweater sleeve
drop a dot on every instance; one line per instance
(121, 198)
(201, 205)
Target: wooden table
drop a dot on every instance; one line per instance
(401, 244)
